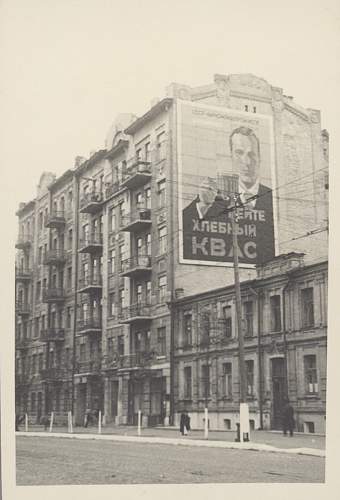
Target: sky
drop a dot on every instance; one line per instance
(71, 66)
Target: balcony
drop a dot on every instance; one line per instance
(52, 374)
(22, 344)
(55, 219)
(92, 367)
(91, 202)
(92, 243)
(22, 380)
(23, 274)
(137, 360)
(136, 221)
(54, 257)
(136, 266)
(90, 284)
(113, 189)
(24, 241)
(53, 295)
(134, 313)
(91, 325)
(52, 335)
(137, 174)
(23, 308)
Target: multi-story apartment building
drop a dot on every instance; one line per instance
(100, 257)
(285, 333)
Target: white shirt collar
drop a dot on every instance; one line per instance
(253, 190)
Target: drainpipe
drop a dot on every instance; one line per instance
(75, 247)
(173, 207)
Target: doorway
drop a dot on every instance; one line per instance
(278, 388)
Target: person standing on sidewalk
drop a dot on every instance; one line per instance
(184, 425)
(288, 419)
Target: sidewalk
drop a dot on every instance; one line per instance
(260, 440)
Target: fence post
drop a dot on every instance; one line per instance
(206, 422)
(99, 422)
(139, 431)
(51, 421)
(26, 422)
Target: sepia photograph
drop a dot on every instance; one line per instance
(167, 193)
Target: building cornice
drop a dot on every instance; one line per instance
(30, 205)
(117, 149)
(149, 115)
(63, 179)
(97, 156)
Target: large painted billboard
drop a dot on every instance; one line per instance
(217, 145)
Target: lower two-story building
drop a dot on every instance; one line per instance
(284, 320)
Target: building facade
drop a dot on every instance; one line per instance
(98, 262)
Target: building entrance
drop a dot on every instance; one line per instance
(278, 391)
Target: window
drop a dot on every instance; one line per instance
(69, 278)
(38, 291)
(43, 322)
(138, 343)
(139, 154)
(67, 357)
(254, 109)
(187, 330)
(246, 107)
(139, 294)
(121, 299)
(112, 309)
(139, 246)
(121, 254)
(41, 221)
(205, 327)
(33, 402)
(110, 347)
(34, 363)
(139, 199)
(82, 352)
(227, 380)
(148, 292)
(112, 261)
(68, 317)
(307, 307)
(70, 201)
(36, 327)
(248, 318)
(311, 375)
(147, 151)
(41, 361)
(66, 400)
(250, 377)
(162, 194)
(205, 371)
(148, 197)
(112, 220)
(160, 146)
(275, 313)
(161, 340)
(147, 339)
(120, 345)
(162, 240)
(148, 244)
(162, 284)
(227, 322)
(84, 311)
(40, 255)
(187, 382)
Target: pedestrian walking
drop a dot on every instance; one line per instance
(288, 419)
(184, 425)
(19, 419)
(88, 417)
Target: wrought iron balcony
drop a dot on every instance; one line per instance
(24, 241)
(52, 335)
(23, 274)
(113, 189)
(91, 202)
(93, 243)
(137, 174)
(55, 219)
(91, 325)
(137, 360)
(91, 284)
(92, 367)
(22, 344)
(52, 374)
(136, 266)
(55, 257)
(134, 313)
(23, 308)
(137, 220)
(22, 379)
(53, 295)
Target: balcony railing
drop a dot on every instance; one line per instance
(22, 308)
(22, 379)
(113, 189)
(137, 174)
(23, 274)
(24, 241)
(92, 243)
(93, 324)
(52, 335)
(22, 343)
(53, 295)
(92, 367)
(55, 219)
(54, 257)
(52, 374)
(135, 312)
(137, 360)
(136, 265)
(91, 202)
(137, 220)
(90, 284)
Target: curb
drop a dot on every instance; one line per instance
(181, 442)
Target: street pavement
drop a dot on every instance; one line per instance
(43, 460)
